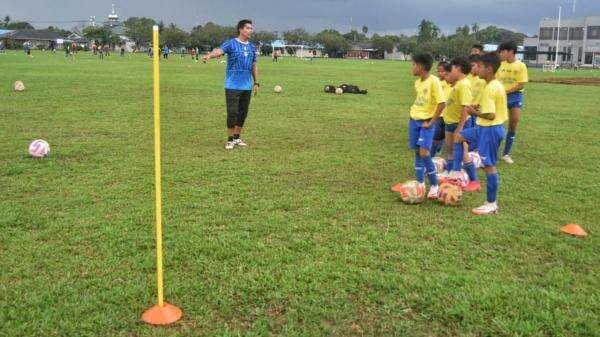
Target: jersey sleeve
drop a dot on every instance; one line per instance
(523, 75)
(465, 95)
(437, 92)
(226, 47)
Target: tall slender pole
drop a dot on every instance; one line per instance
(557, 36)
(161, 313)
(157, 168)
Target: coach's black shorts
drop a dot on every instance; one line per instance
(238, 102)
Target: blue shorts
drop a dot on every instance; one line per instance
(439, 130)
(419, 137)
(452, 127)
(488, 139)
(515, 100)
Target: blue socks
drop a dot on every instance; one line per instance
(431, 170)
(510, 138)
(492, 186)
(449, 164)
(459, 153)
(471, 171)
(419, 168)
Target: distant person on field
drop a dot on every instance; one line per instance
(275, 56)
(477, 49)
(513, 76)
(241, 77)
(2, 47)
(165, 52)
(424, 113)
(122, 51)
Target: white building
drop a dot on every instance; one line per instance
(578, 42)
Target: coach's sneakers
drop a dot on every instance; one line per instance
(486, 209)
(229, 145)
(473, 186)
(508, 159)
(239, 142)
(434, 192)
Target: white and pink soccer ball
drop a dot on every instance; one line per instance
(476, 159)
(39, 148)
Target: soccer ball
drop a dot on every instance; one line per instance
(440, 164)
(461, 179)
(476, 159)
(278, 89)
(39, 148)
(339, 91)
(450, 194)
(411, 192)
(19, 86)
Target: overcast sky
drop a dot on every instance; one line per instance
(383, 16)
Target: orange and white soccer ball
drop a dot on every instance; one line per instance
(461, 179)
(450, 194)
(39, 148)
(440, 164)
(476, 159)
(19, 86)
(278, 89)
(411, 192)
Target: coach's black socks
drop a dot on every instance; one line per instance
(236, 136)
(230, 138)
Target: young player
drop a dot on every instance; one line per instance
(513, 76)
(458, 108)
(477, 49)
(429, 104)
(489, 132)
(443, 69)
(477, 83)
(239, 76)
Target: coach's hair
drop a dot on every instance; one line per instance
(463, 63)
(447, 66)
(243, 23)
(508, 45)
(424, 60)
(491, 59)
(478, 46)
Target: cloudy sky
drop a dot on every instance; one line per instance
(384, 16)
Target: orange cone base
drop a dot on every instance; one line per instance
(164, 315)
(573, 229)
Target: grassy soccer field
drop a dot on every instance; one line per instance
(296, 235)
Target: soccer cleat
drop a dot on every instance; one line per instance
(508, 159)
(473, 186)
(486, 209)
(229, 145)
(239, 142)
(433, 192)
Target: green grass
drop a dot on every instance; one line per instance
(297, 235)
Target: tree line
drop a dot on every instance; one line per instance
(429, 37)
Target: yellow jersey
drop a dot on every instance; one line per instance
(429, 94)
(476, 85)
(493, 101)
(460, 96)
(447, 87)
(511, 74)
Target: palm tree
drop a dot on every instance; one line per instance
(475, 28)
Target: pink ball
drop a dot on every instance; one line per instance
(39, 148)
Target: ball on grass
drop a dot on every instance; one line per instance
(411, 192)
(19, 86)
(39, 148)
(450, 194)
(339, 91)
(277, 89)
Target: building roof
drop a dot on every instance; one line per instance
(4, 32)
(33, 34)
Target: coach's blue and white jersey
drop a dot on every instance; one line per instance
(240, 58)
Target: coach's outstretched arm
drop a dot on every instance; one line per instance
(215, 53)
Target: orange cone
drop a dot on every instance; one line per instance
(573, 229)
(164, 315)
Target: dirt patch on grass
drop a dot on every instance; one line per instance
(570, 80)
